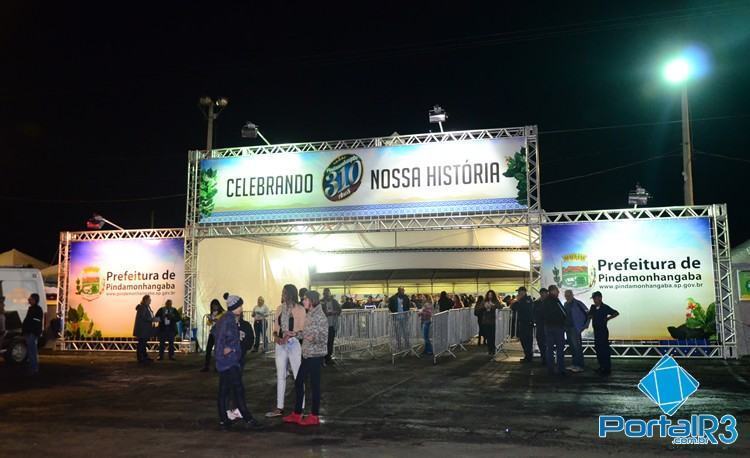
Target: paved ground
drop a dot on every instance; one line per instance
(107, 405)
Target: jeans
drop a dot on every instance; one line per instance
(289, 355)
(164, 337)
(331, 337)
(141, 349)
(576, 346)
(32, 352)
(603, 352)
(311, 367)
(488, 331)
(230, 383)
(260, 330)
(541, 341)
(555, 339)
(209, 349)
(426, 332)
(526, 335)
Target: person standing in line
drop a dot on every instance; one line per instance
(600, 313)
(288, 351)
(489, 325)
(216, 311)
(246, 343)
(399, 304)
(167, 317)
(523, 307)
(538, 312)
(228, 356)
(444, 302)
(302, 293)
(332, 310)
(32, 330)
(457, 302)
(260, 323)
(576, 321)
(314, 346)
(478, 311)
(554, 331)
(425, 314)
(143, 328)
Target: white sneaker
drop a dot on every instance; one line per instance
(237, 414)
(231, 415)
(575, 369)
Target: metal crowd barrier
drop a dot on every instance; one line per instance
(440, 331)
(405, 336)
(361, 331)
(502, 329)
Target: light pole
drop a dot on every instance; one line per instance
(678, 71)
(211, 109)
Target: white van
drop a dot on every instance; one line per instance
(17, 284)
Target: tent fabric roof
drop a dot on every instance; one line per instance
(17, 258)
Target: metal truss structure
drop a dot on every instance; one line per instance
(528, 220)
(726, 346)
(63, 279)
(116, 345)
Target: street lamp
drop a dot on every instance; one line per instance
(211, 109)
(678, 71)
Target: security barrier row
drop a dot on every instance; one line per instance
(364, 331)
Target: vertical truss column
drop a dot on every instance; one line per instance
(62, 279)
(725, 317)
(192, 216)
(535, 251)
(533, 215)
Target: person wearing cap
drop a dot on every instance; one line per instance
(524, 309)
(554, 331)
(576, 321)
(600, 313)
(539, 323)
(228, 355)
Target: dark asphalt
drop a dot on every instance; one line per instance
(106, 405)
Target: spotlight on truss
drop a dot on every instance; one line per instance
(252, 130)
(638, 196)
(438, 116)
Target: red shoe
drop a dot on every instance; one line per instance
(293, 418)
(310, 420)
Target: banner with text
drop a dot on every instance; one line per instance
(657, 273)
(474, 175)
(108, 278)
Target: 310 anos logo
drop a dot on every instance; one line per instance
(668, 385)
(342, 177)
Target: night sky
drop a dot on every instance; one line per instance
(98, 103)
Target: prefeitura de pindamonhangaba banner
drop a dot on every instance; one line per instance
(657, 273)
(108, 278)
(474, 175)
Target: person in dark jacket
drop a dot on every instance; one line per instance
(228, 355)
(524, 310)
(400, 303)
(478, 312)
(216, 311)
(539, 324)
(488, 323)
(167, 317)
(600, 313)
(143, 328)
(444, 302)
(32, 330)
(554, 331)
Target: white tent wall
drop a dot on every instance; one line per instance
(453, 260)
(247, 269)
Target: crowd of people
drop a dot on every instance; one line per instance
(305, 332)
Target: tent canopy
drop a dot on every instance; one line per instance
(15, 258)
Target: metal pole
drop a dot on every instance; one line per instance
(687, 149)
(210, 133)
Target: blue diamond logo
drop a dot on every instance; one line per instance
(668, 385)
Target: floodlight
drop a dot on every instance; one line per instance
(677, 70)
(250, 130)
(437, 115)
(638, 196)
(222, 102)
(205, 101)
